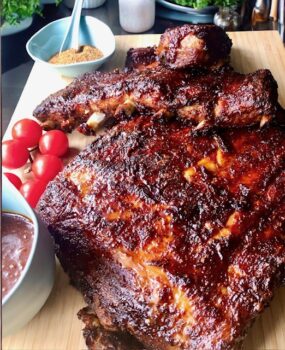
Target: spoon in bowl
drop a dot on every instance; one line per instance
(71, 37)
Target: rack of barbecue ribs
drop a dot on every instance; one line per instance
(204, 97)
(174, 236)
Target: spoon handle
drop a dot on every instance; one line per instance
(71, 38)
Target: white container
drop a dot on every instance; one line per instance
(33, 287)
(137, 16)
(87, 4)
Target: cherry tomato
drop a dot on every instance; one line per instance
(54, 142)
(28, 131)
(46, 167)
(32, 190)
(14, 154)
(14, 179)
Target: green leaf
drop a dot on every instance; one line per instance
(198, 4)
(14, 11)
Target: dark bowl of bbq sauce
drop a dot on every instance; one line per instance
(28, 261)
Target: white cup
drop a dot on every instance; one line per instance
(137, 16)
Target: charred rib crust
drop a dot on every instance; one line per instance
(170, 237)
(141, 58)
(227, 99)
(207, 45)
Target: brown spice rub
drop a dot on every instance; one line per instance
(85, 53)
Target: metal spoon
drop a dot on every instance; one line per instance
(71, 37)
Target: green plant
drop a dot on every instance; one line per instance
(227, 3)
(13, 11)
(198, 4)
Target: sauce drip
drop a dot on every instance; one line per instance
(17, 239)
(85, 53)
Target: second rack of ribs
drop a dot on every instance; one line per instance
(223, 99)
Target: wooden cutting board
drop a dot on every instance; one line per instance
(56, 326)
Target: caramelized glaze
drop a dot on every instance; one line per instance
(174, 238)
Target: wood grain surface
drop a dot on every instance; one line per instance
(56, 326)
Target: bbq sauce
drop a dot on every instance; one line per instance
(17, 239)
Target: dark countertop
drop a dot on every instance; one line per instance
(16, 64)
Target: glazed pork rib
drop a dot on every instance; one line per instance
(142, 58)
(227, 99)
(185, 47)
(99, 338)
(194, 46)
(186, 75)
(177, 240)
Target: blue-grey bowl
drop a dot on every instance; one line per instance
(33, 287)
(47, 41)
